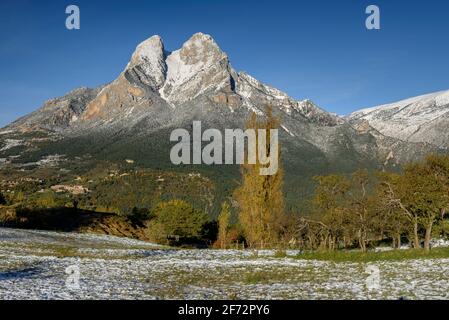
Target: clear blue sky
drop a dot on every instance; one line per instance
(310, 49)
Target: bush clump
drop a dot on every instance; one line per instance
(176, 220)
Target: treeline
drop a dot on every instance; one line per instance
(369, 208)
(356, 211)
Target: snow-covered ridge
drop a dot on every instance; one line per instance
(431, 100)
(253, 82)
(418, 119)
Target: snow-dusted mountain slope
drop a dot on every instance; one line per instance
(420, 119)
(158, 91)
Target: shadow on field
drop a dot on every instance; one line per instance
(57, 219)
(27, 272)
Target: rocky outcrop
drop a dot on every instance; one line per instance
(57, 114)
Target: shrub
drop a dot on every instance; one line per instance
(176, 219)
(46, 200)
(139, 215)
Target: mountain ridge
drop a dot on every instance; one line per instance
(417, 119)
(129, 120)
(198, 67)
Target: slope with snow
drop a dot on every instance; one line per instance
(419, 119)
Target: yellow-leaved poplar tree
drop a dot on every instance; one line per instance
(260, 197)
(223, 226)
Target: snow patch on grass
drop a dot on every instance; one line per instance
(33, 264)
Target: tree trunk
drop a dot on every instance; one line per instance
(415, 234)
(399, 244)
(363, 245)
(333, 243)
(428, 237)
(362, 242)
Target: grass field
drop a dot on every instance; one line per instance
(33, 265)
(371, 256)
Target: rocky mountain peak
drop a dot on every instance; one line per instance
(148, 62)
(201, 48)
(149, 48)
(197, 75)
(199, 66)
